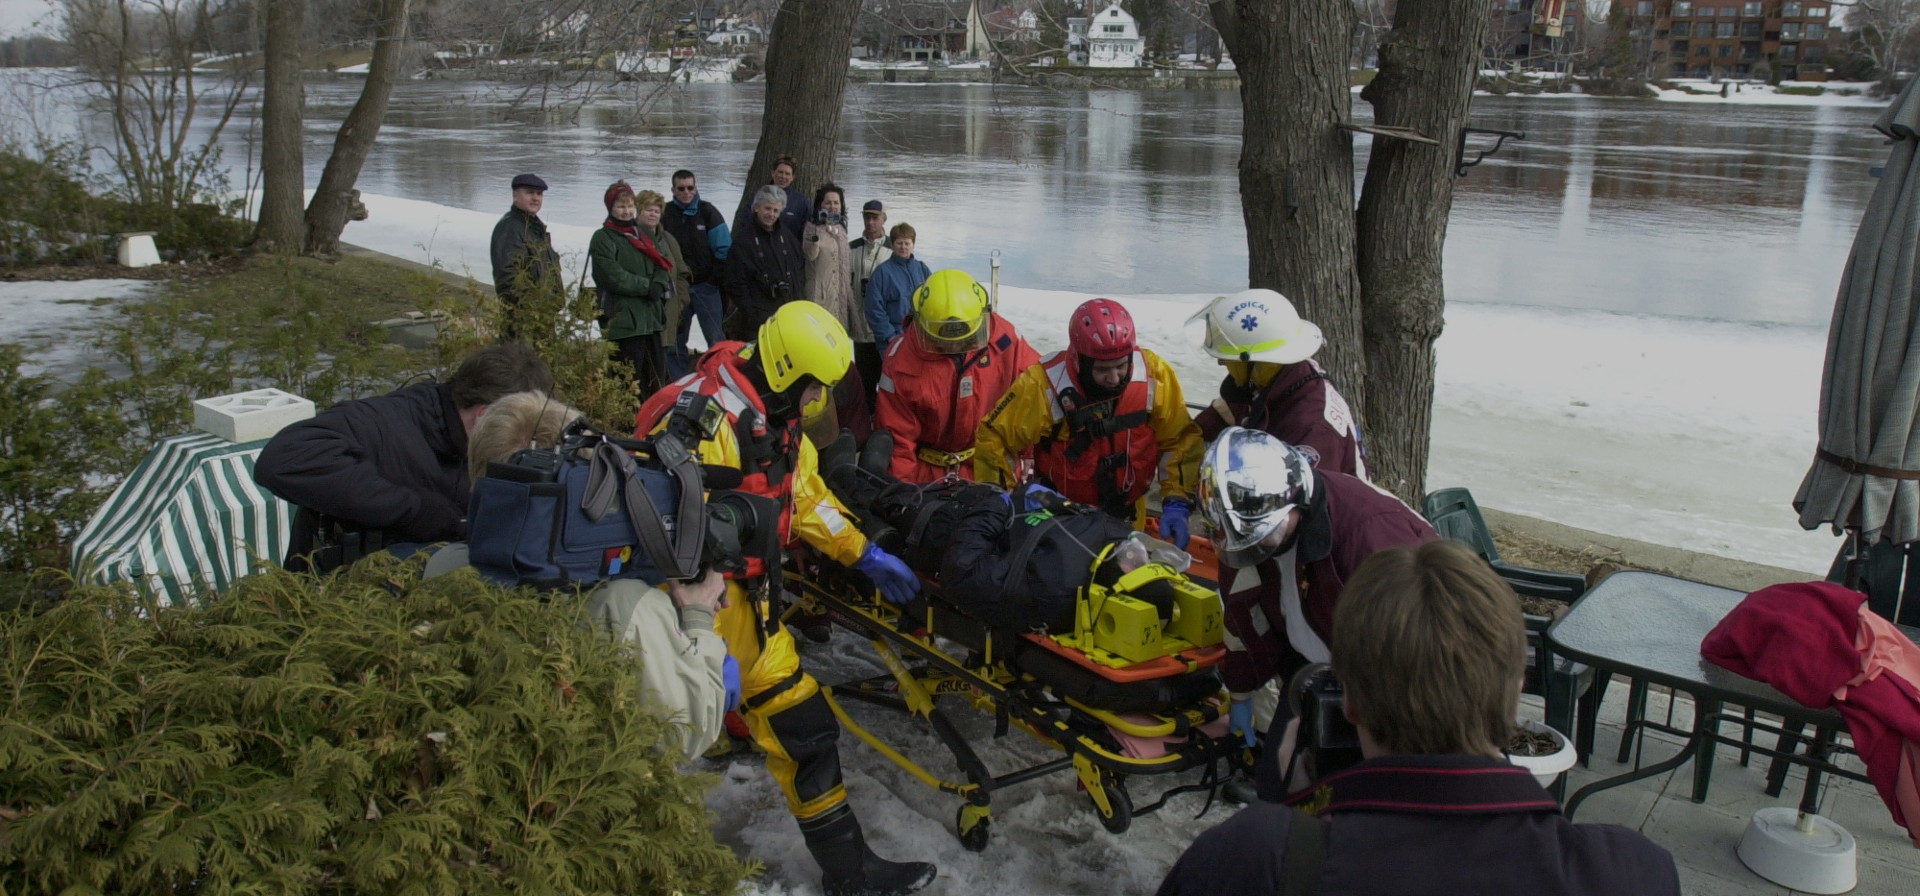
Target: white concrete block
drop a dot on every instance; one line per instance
(137, 250)
(250, 416)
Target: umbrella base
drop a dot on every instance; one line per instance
(1807, 853)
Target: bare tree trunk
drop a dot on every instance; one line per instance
(283, 171)
(327, 214)
(1427, 69)
(1296, 164)
(806, 78)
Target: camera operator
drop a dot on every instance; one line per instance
(1292, 535)
(685, 666)
(1430, 646)
(765, 267)
(742, 406)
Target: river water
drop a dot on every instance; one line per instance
(1739, 213)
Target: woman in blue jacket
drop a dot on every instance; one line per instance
(890, 291)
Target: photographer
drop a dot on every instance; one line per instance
(742, 408)
(1430, 647)
(392, 468)
(765, 268)
(685, 667)
(1292, 535)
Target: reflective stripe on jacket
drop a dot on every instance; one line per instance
(1038, 412)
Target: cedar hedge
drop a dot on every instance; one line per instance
(360, 733)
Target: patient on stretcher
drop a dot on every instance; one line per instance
(1014, 560)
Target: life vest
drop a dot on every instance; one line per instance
(718, 392)
(1101, 453)
(946, 397)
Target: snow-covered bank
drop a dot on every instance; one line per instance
(1703, 90)
(50, 318)
(1678, 431)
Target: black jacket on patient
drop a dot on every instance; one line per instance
(1022, 571)
(1014, 571)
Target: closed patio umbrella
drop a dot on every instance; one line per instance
(1865, 476)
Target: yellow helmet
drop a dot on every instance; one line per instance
(802, 339)
(951, 312)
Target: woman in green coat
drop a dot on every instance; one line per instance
(636, 279)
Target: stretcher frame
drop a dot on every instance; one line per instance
(920, 672)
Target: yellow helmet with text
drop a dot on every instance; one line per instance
(803, 340)
(950, 313)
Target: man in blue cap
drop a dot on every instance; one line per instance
(523, 256)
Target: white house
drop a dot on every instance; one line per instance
(1076, 40)
(1113, 40)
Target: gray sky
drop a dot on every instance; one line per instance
(22, 16)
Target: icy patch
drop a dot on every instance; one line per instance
(46, 315)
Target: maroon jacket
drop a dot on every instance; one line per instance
(1806, 640)
(1348, 521)
(1301, 408)
(1429, 824)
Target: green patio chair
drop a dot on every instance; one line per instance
(1565, 684)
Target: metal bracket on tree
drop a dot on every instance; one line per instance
(1460, 164)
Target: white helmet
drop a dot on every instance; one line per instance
(1257, 325)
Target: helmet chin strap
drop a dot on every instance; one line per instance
(781, 406)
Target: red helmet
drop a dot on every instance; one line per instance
(1102, 330)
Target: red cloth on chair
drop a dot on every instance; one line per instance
(1818, 643)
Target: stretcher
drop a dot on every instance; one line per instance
(1130, 694)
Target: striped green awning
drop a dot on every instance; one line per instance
(190, 517)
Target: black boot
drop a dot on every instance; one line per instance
(849, 868)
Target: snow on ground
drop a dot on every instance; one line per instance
(1672, 430)
(1837, 93)
(46, 315)
(1045, 836)
(1676, 431)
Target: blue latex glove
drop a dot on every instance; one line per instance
(890, 574)
(1240, 720)
(1033, 493)
(1173, 521)
(730, 672)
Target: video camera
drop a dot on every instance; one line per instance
(597, 507)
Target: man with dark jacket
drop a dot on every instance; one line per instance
(704, 241)
(523, 256)
(1431, 649)
(764, 270)
(390, 469)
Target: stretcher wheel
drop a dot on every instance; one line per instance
(1122, 817)
(974, 839)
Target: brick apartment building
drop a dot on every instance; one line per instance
(1735, 38)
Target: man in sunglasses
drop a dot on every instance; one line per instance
(1290, 537)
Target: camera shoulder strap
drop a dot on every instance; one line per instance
(1306, 851)
(612, 472)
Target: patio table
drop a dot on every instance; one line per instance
(1648, 627)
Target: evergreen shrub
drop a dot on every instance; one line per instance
(358, 734)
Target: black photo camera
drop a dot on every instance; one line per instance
(1326, 742)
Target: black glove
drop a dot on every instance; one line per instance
(657, 292)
